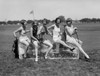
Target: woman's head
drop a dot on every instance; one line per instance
(69, 21)
(44, 22)
(23, 23)
(57, 21)
(35, 23)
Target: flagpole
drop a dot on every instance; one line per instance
(32, 12)
(33, 16)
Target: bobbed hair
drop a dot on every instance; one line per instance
(69, 20)
(57, 20)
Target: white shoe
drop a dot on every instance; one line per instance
(46, 57)
(36, 60)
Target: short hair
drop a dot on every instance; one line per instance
(69, 20)
(22, 22)
(57, 19)
(34, 22)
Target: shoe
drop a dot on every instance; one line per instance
(87, 59)
(36, 60)
(72, 49)
(46, 57)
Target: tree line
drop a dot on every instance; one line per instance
(29, 21)
(83, 20)
(89, 20)
(18, 21)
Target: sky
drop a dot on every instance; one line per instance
(50, 9)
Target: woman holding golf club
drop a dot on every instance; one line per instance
(70, 31)
(23, 39)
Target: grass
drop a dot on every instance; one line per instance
(88, 33)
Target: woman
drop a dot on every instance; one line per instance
(70, 31)
(34, 37)
(23, 39)
(57, 33)
(42, 31)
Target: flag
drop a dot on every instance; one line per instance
(32, 12)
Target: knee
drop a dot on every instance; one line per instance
(29, 41)
(35, 43)
(51, 46)
(57, 41)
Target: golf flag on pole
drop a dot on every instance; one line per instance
(32, 12)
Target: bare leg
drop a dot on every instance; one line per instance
(24, 42)
(63, 43)
(47, 42)
(25, 55)
(36, 50)
(73, 41)
(26, 48)
(20, 51)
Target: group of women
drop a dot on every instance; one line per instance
(38, 31)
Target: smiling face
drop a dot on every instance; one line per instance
(57, 21)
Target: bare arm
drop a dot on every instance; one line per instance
(39, 30)
(50, 27)
(27, 31)
(16, 31)
(49, 33)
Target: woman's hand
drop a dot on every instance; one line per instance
(75, 28)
